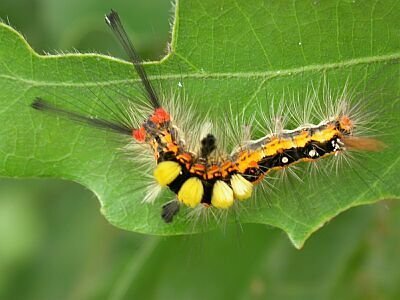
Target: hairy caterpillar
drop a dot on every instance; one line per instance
(204, 173)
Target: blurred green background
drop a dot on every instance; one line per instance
(54, 243)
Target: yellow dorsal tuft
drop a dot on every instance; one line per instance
(242, 188)
(191, 192)
(222, 195)
(166, 172)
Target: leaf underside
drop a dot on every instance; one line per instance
(228, 54)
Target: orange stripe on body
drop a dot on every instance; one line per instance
(326, 134)
(250, 158)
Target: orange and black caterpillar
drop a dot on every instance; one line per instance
(201, 178)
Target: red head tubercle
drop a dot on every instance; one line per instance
(139, 134)
(160, 116)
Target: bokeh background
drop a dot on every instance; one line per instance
(55, 244)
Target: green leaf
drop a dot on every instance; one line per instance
(230, 53)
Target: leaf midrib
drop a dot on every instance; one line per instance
(201, 75)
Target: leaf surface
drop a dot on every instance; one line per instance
(226, 54)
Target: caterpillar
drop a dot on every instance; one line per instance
(205, 174)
